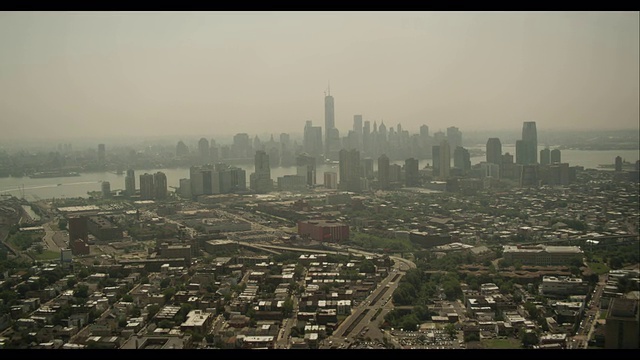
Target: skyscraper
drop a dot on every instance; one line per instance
(260, 180)
(182, 149)
(555, 156)
(366, 138)
(411, 174)
(521, 152)
(462, 159)
(241, 147)
(435, 159)
(330, 180)
(306, 166)
(383, 172)
(147, 188)
(494, 151)
(312, 140)
(445, 159)
(454, 137)
(349, 170)
(101, 154)
(329, 122)
(130, 183)
(358, 129)
(530, 136)
(106, 189)
(160, 185)
(618, 163)
(545, 156)
(203, 150)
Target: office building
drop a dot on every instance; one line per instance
(545, 156)
(366, 138)
(260, 180)
(411, 174)
(462, 159)
(366, 170)
(494, 151)
(203, 150)
(618, 164)
(106, 189)
(530, 137)
(185, 188)
(542, 255)
(349, 170)
(329, 123)
(79, 235)
(383, 172)
(323, 230)
(445, 159)
(101, 154)
(181, 149)
(241, 147)
(358, 130)
(306, 166)
(292, 183)
(454, 137)
(554, 156)
(622, 324)
(330, 180)
(435, 159)
(312, 139)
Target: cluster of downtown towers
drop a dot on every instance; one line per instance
(354, 154)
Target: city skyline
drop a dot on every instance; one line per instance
(103, 74)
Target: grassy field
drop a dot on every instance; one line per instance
(598, 267)
(46, 255)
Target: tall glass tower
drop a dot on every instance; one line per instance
(530, 136)
(329, 122)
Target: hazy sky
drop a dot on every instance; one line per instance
(78, 74)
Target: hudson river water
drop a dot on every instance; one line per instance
(79, 186)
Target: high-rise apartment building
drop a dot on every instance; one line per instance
(147, 187)
(130, 183)
(554, 156)
(160, 185)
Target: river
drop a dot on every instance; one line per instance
(79, 186)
